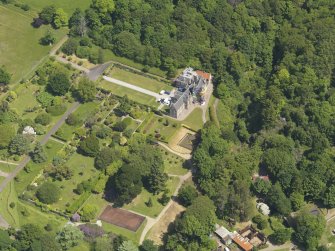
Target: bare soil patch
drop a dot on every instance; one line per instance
(122, 218)
(161, 227)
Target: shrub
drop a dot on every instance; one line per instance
(25, 7)
(48, 193)
(73, 119)
(70, 46)
(90, 146)
(120, 126)
(83, 52)
(45, 99)
(43, 119)
(88, 212)
(187, 194)
(12, 205)
(91, 230)
(56, 110)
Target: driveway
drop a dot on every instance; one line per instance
(97, 71)
(135, 88)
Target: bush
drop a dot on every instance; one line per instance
(88, 212)
(260, 221)
(187, 194)
(120, 126)
(43, 119)
(73, 119)
(90, 146)
(48, 193)
(83, 52)
(12, 205)
(45, 99)
(25, 7)
(70, 46)
(56, 110)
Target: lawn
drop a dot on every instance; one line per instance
(37, 5)
(7, 168)
(133, 95)
(25, 99)
(138, 80)
(9, 195)
(161, 128)
(83, 169)
(134, 236)
(139, 203)
(173, 163)
(194, 120)
(20, 50)
(25, 178)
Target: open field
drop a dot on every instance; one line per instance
(8, 196)
(122, 218)
(138, 80)
(173, 164)
(37, 5)
(19, 42)
(7, 168)
(133, 95)
(139, 203)
(157, 232)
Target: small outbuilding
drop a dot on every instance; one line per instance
(28, 130)
(263, 208)
(224, 234)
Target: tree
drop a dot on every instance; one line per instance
(297, 201)
(280, 236)
(156, 180)
(47, 14)
(90, 146)
(309, 229)
(43, 119)
(7, 133)
(86, 90)
(127, 184)
(45, 242)
(103, 244)
(128, 246)
(187, 194)
(48, 193)
(88, 212)
(59, 83)
(103, 6)
(19, 145)
(278, 201)
(104, 158)
(38, 155)
(5, 240)
(60, 18)
(25, 237)
(4, 76)
(48, 38)
(70, 46)
(148, 245)
(329, 198)
(69, 237)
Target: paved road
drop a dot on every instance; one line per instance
(97, 71)
(135, 88)
(25, 161)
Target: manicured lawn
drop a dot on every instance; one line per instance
(134, 236)
(25, 99)
(7, 168)
(109, 55)
(20, 50)
(37, 5)
(24, 178)
(133, 95)
(165, 127)
(83, 169)
(82, 246)
(9, 195)
(139, 203)
(173, 163)
(194, 120)
(138, 80)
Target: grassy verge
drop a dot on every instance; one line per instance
(139, 203)
(7, 168)
(138, 80)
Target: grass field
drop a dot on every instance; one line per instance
(135, 237)
(133, 95)
(25, 99)
(83, 169)
(25, 178)
(37, 5)
(194, 120)
(139, 203)
(138, 80)
(19, 42)
(7, 168)
(173, 163)
(8, 196)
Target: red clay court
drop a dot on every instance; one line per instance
(122, 218)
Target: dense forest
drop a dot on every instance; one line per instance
(273, 64)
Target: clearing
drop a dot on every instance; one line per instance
(20, 50)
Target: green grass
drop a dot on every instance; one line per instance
(138, 80)
(37, 5)
(139, 203)
(52, 147)
(82, 246)
(224, 115)
(133, 95)
(109, 55)
(20, 50)
(173, 164)
(134, 236)
(25, 99)
(78, 164)
(7, 168)
(194, 120)
(9, 195)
